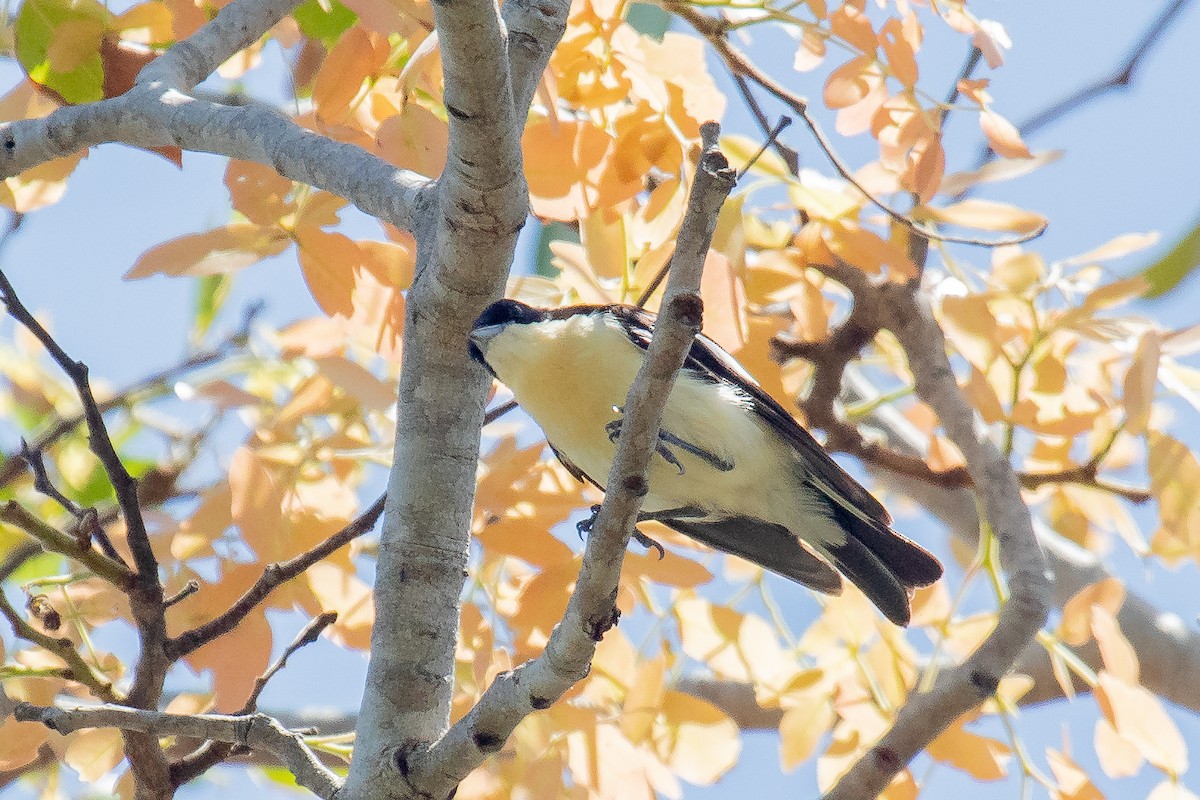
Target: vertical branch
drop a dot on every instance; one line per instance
(591, 611)
(465, 249)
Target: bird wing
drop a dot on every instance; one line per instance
(771, 546)
(708, 361)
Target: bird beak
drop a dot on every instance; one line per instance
(480, 338)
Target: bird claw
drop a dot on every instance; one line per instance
(584, 527)
(646, 542)
(665, 437)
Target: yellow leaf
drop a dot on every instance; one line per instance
(1119, 657)
(1015, 271)
(1139, 717)
(94, 753)
(1075, 628)
(1073, 782)
(643, 700)
(696, 739)
(810, 52)
(1171, 790)
(802, 727)
(867, 250)
(989, 215)
(604, 241)
(1117, 755)
(1140, 381)
(1116, 247)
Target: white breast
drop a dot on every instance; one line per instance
(570, 375)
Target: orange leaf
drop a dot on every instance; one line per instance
(569, 166)
(899, 52)
(220, 250)
(980, 757)
(852, 25)
(851, 82)
(351, 61)
(258, 192)
(329, 262)
(1002, 135)
(414, 139)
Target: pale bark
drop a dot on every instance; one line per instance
(957, 690)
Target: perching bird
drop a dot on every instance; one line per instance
(732, 468)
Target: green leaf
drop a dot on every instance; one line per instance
(324, 20)
(551, 232)
(211, 291)
(58, 44)
(648, 19)
(1166, 273)
(40, 566)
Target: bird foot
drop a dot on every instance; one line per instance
(584, 526)
(665, 437)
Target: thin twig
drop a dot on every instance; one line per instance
(790, 157)
(273, 575)
(714, 31)
(255, 731)
(211, 753)
(312, 631)
(11, 467)
(1121, 78)
(81, 671)
(101, 444)
(56, 541)
(87, 521)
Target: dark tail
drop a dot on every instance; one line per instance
(883, 563)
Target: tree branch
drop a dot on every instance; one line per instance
(255, 731)
(925, 715)
(714, 31)
(591, 611)
(273, 575)
(155, 113)
(1121, 78)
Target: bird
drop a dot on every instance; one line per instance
(731, 469)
